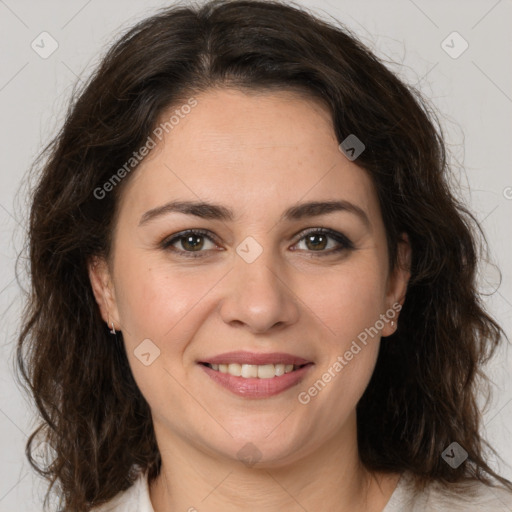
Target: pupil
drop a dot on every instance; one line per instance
(189, 241)
(317, 245)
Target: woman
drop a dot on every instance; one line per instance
(252, 286)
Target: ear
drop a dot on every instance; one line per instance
(103, 289)
(398, 281)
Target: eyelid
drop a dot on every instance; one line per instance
(167, 243)
(340, 238)
(336, 235)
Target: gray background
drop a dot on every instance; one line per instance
(473, 93)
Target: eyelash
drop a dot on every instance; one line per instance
(345, 243)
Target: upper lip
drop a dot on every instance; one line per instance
(254, 358)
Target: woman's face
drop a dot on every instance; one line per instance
(254, 282)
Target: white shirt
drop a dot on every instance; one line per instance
(469, 496)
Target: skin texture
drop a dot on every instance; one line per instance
(258, 154)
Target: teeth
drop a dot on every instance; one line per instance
(266, 371)
(235, 369)
(279, 368)
(251, 371)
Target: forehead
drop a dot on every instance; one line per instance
(250, 151)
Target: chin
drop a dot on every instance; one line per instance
(261, 450)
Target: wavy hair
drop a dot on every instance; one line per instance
(423, 393)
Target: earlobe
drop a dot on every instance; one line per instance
(103, 290)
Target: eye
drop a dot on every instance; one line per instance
(194, 242)
(317, 240)
(191, 241)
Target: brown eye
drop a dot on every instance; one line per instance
(320, 239)
(192, 242)
(189, 243)
(316, 241)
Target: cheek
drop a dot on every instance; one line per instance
(154, 297)
(351, 299)
(333, 396)
(162, 304)
(349, 305)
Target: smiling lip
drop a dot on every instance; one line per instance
(241, 357)
(256, 387)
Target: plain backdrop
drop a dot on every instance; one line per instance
(472, 89)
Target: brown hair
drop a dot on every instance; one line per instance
(422, 395)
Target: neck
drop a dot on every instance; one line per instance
(330, 477)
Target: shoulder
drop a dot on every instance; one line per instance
(133, 499)
(475, 496)
(460, 497)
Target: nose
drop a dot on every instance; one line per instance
(259, 295)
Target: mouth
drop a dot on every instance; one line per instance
(251, 375)
(253, 371)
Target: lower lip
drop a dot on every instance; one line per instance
(257, 388)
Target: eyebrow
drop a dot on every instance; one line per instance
(211, 211)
